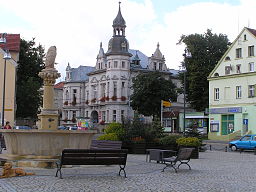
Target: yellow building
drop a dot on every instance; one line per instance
(13, 45)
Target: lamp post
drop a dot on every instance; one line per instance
(187, 54)
(7, 56)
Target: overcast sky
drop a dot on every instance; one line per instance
(77, 27)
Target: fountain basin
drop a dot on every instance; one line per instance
(44, 144)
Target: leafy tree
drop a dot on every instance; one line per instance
(148, 91)
(206, 50)
(31, 62)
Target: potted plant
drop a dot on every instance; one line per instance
(123, 98)
(114, 98)
(93, 100)
(107, 98)
(66, 103)
(73, 120)
(86, 102)
(102, 99)
(190, 142)
(169, 142)
(138, 145)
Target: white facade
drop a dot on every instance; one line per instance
(103, 93)
(232, 95)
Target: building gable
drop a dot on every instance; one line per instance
(233, 61)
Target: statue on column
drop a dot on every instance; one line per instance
(50, 57)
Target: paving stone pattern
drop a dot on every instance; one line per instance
(215, 171)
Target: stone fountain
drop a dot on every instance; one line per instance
(41, 147)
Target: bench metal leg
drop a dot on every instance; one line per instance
(170, 165)
(186, 163)
(58, 170)
(122, 169)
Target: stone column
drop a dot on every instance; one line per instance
(49, 115)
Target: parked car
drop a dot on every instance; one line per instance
(22, 127)
(62, 128)
(245, 142)
(73, 128)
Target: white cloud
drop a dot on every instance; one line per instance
(78, 27)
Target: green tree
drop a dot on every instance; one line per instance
(31, 62)
(206, 50)
(148, 91)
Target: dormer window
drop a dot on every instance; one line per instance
(227, 58)
(216, 74)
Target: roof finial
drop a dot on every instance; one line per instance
(100, 44)
(158, 45)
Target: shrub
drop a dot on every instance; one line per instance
(93, 100)
(116, 128)
(114, 98)
(169, 140)
(188, 142)
(66, 103)
(138, 140)
(123, 98)
(109, 136)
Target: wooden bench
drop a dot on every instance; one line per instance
(105, 144)
(93, 157)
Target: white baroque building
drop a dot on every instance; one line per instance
(102, 93)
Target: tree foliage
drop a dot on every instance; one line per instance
(206, 50)
(31, 62)
(148, 91)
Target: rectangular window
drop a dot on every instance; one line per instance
(107, 115)
(122, 115)
(115, 64)
(250, 51)
(108, 90)
(216, 93)
(123, 64)
(115, 88)
(122, 89)
(94, 92)
(86, 114)
(160, 66)
(239, 53)
(108, 64)
(251, 91)
(238, 68)
(114, 115)
(154, 65)
(251, 67)
(103, 115)
(238, 92)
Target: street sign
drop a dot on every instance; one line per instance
(167, 103)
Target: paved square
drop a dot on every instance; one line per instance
(214, 171)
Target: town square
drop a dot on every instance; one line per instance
(135, 95)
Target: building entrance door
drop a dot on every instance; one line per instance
(227, 124)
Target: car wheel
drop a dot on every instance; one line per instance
(233, 148)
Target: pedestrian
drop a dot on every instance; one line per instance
(7, 125)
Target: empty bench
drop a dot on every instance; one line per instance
(106, 144)
(92, 157)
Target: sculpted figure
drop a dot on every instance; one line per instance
(50, 57)
(8, 171)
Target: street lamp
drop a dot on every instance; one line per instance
(7, 56)
(187, 54)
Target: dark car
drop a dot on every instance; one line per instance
(62, 128)
(245, 142)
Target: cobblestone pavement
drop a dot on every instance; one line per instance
(214, 171)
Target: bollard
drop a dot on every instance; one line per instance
(226, 149)
(210, 147)
(255, 151)
(241, 150)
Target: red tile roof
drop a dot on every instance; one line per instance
(59, 85)
(13, 42)
(253, 31)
